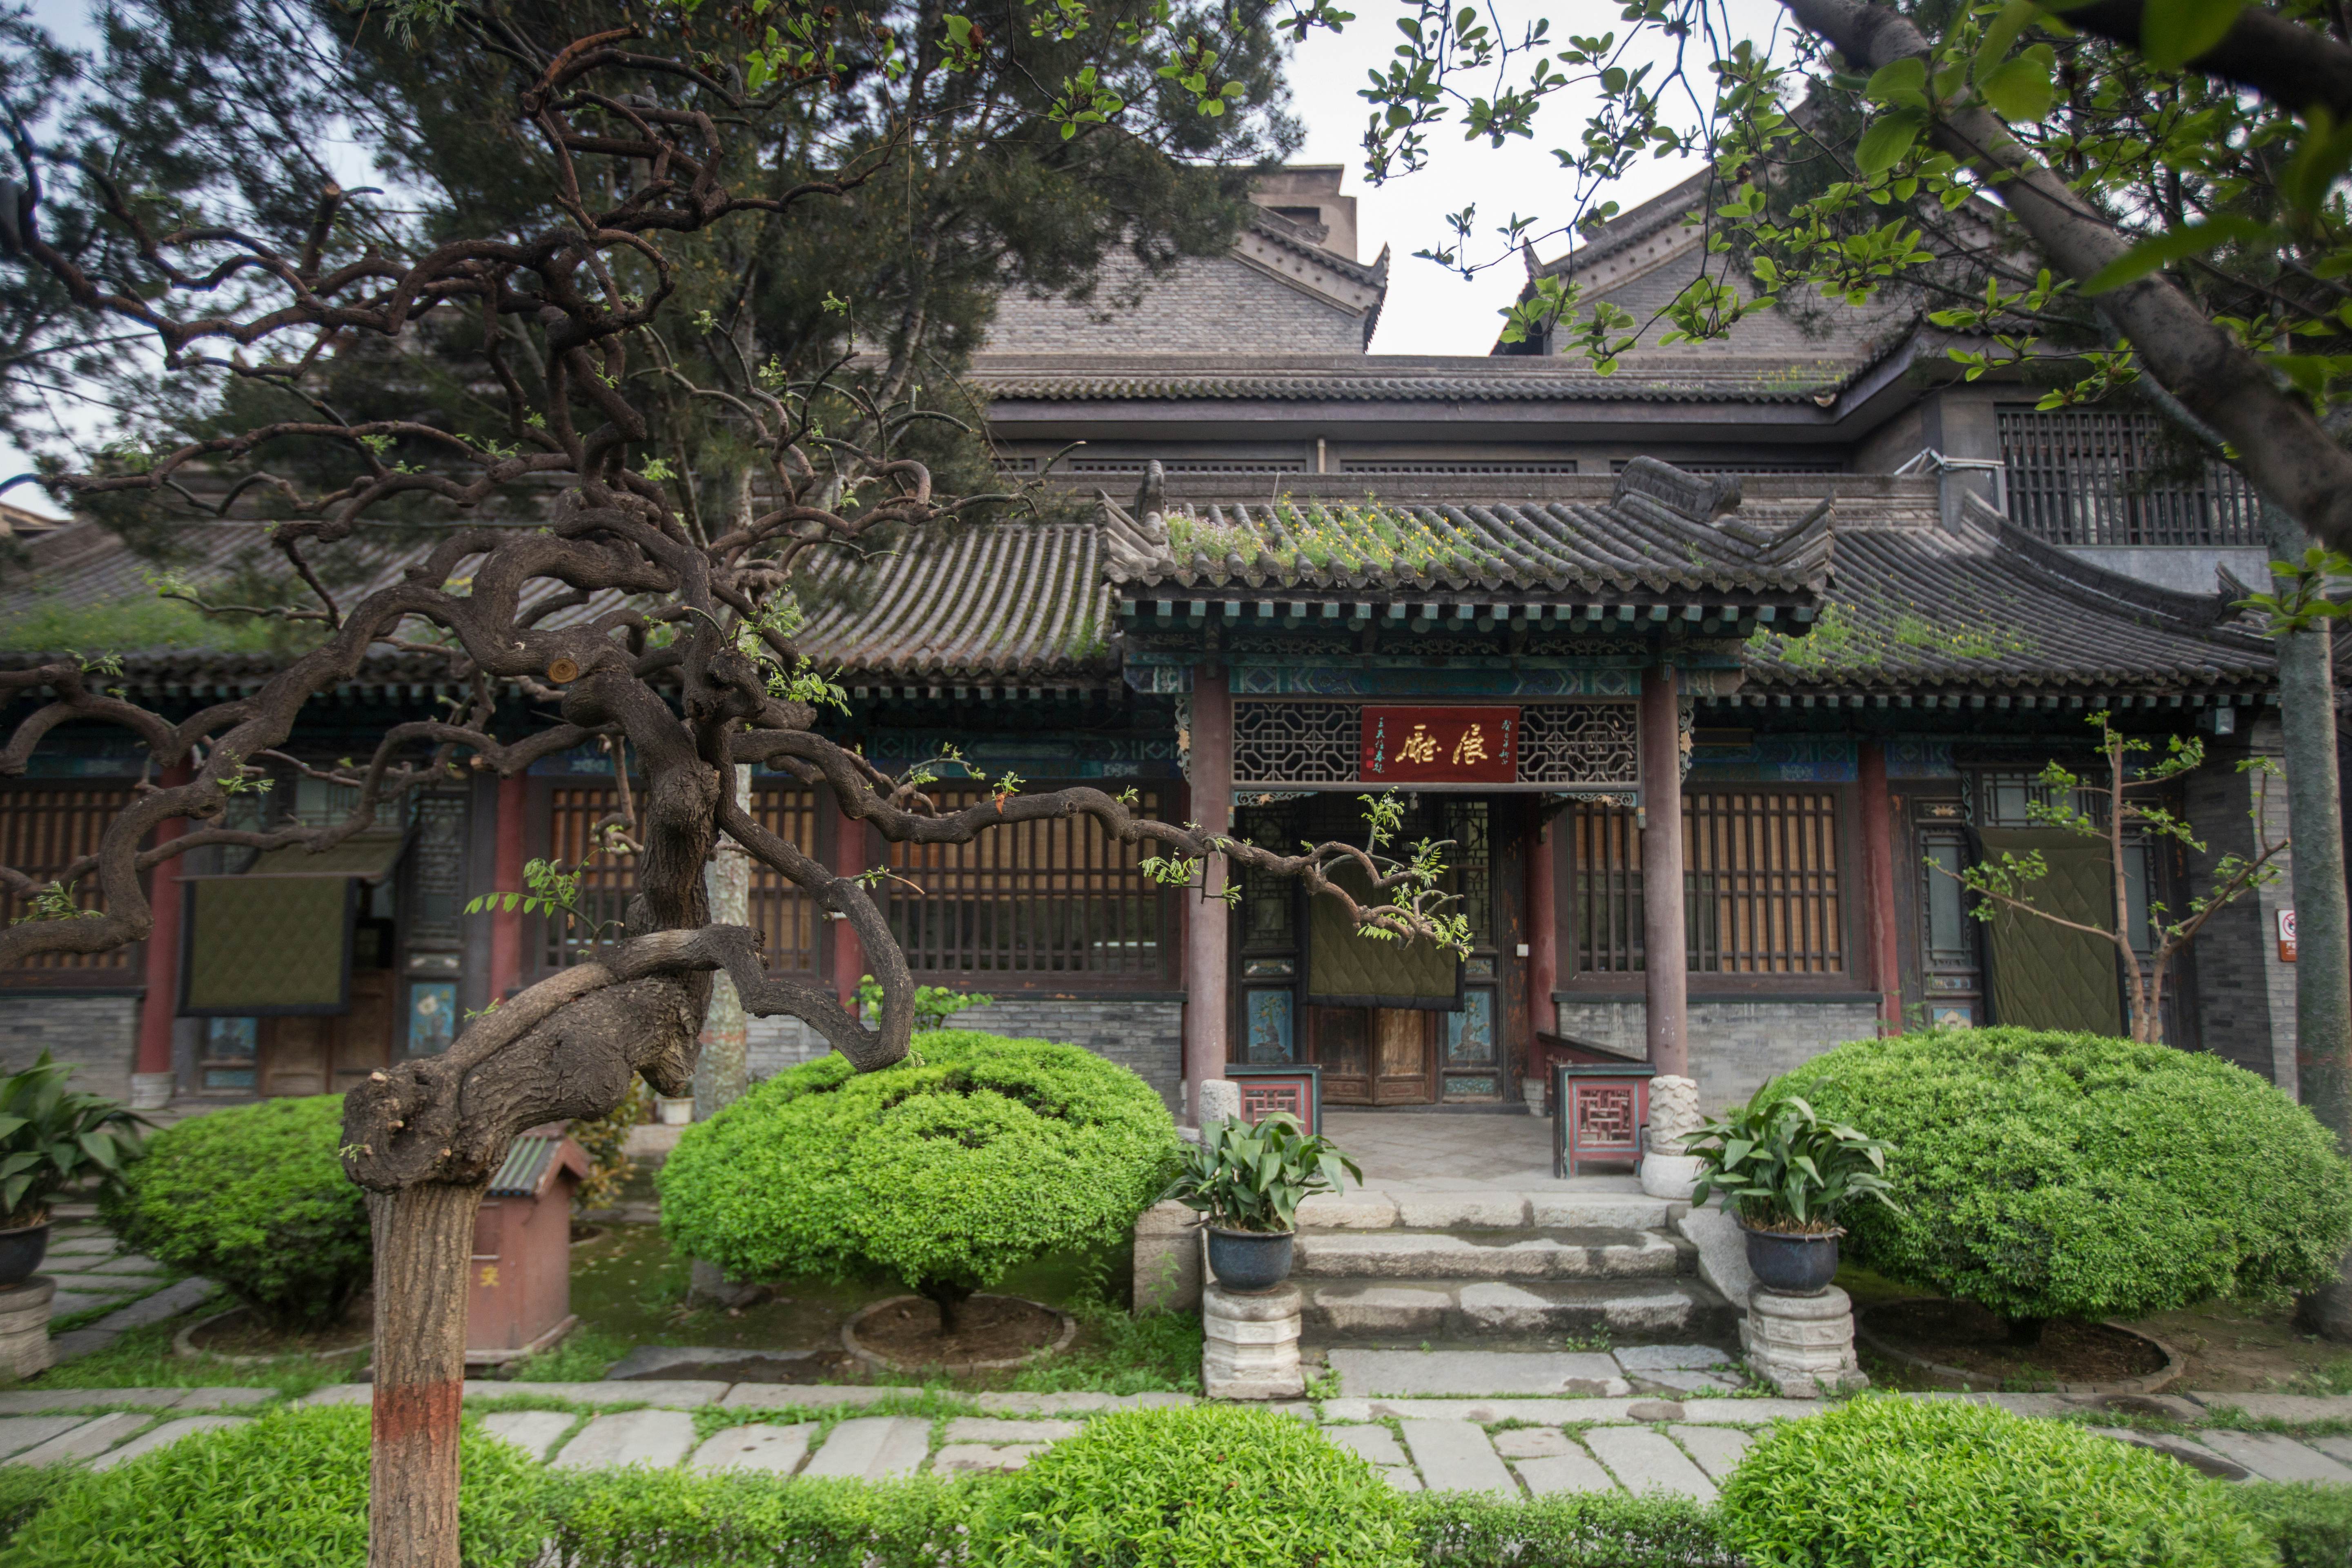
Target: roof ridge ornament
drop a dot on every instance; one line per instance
(1696, 497)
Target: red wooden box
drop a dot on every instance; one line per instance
(519, 1294)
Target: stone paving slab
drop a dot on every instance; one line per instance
(1064, 1404)
(533, 1431)
(1748, 1411)
(874, 1448)
(1546, 1412)
(1533, 1443)
(1573, 1470)
(131, 1263)
(225, 1398)
(1454, 1457)
(81, 1246)
(19, 1433)
(2273, 1457)
(1717, 1449)
(988, 1429)
(1670, 1358)
(87, 1440)
(66, 1303)
(767, 1448)
(671, 1395)
(2280, 1406)
(1690, 1381)
(806, 1397)
(2196, 1456)
(1646, 1462)
(963, 1458)
(2334, 1447)
(34, 1401)
(164, 1436)
(1377, 1444)
(169, 1302)
(659, 1437)
(1365, 1373)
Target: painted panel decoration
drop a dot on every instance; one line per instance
(432, 1016)
(1470, 1034)
(1439, 745)
(1268, 1015)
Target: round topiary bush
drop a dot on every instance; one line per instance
(2047, 1176)
(973, 1156)
(255, 1197)
(1202, 1486)
(1908, 1483)
(290, 1487)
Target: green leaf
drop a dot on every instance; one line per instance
(1902, 82)
(2174, 32)
(2164, 249)
(2022, 89)
(1889, 137)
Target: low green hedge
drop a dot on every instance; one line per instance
(254, 1197)
(2311, 1525)
(1568, 1529)
(2044, 1174)
(946, 1170)
(632, 1517)
(1893, 1482)
(289, 1488)
(1196, 1486)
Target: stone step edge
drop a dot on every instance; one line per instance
(1500, 1208)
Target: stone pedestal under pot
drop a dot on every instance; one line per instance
(25, 1325)
(1801, 1345)
(1249, 1345)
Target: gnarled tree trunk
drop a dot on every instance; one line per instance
(423, 1239)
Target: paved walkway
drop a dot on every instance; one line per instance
(82, 1260)
(1439, 1150)
(1505, 1447)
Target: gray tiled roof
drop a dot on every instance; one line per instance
(1662, 533)
(1661, 376)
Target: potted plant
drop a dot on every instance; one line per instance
(51, 1139)
(1247, 1182)
(1786, 1174)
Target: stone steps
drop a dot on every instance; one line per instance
(1362, 1311)
(1464, 1253)
(1489, 1208)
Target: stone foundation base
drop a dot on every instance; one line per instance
(150, 1091)
(1168, 1261)
(1803, 1345)
(1249, 1345)
(1670, 1177)
(25, 1326)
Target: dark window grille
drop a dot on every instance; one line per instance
(788, 918)
(1058, 896)
(2079, 476)
(1763, 889)
(44, 829)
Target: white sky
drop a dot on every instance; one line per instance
(1429, 310)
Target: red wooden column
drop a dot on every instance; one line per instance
(848, 947)
(1666, 983)
(151, 1073)
(506, 925)
(1543, 931)
(1211, 770)
(1877, 812)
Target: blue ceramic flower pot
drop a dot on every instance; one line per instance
(1249, 1260)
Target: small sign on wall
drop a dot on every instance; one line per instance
(1439, 745)
(2286, 936)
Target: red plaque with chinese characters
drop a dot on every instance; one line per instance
(1439, 745)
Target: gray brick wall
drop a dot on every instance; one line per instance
(1735, 1047)
(100, 1035)
(2245, 996)
(1205, 305)
(1146, 1037)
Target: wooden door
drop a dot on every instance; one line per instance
(1404, 1066)
(363, 1036)
(1341, 1039)
(294, 1052)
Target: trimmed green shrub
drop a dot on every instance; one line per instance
(289, 1487)
(1200, 1487)
(2310, 1525)
(2046, 1175)
(968, 1159)
(25, 1490)
(255, 1197)
(1909, 1483)
(627, 1519)
(1568, 1529)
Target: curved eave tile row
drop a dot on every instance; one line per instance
(996, 601)
(1698, 384)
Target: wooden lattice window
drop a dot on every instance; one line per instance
(1054, 897)
(1762, 890)
(2088, 476)
(44, 829)
(788, 917)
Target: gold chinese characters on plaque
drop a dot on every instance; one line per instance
(1439, 745)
